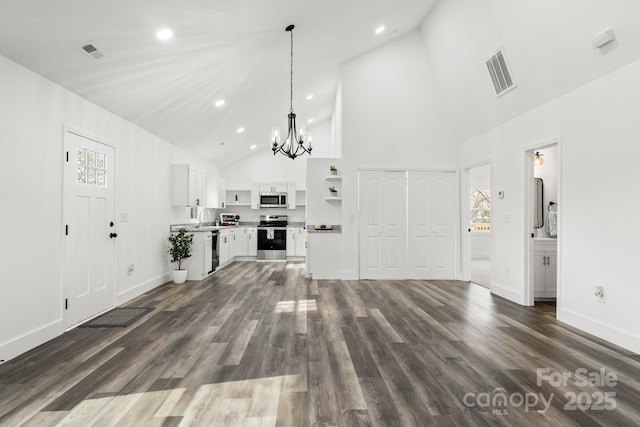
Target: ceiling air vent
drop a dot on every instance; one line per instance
(500, 74)
(91, 50)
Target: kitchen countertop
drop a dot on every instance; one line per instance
(334, 229)
(208, 227)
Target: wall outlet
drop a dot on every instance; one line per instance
(598, 291)
(130, 269)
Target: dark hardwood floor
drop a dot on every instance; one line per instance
(260, 345)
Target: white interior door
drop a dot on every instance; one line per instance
(89, 242)
(431, 220)
(383, 225)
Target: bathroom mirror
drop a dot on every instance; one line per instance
(538, 203)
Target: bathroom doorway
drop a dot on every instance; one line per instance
(543, 206)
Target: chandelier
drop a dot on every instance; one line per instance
(293, 145)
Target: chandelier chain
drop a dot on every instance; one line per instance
(291, 79)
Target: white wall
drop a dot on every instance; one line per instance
(391, 118)
(599, 131)
(263, 166)
(33, 112)
(546, 42)
(565, 89)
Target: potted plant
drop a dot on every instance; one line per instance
(180, 249)
(333, 170)
(333, 191)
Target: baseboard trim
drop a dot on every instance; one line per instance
(506, 293)
(140, 289)
(349, 275)
(30, 340)
(609, 333)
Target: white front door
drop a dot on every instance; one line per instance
(431, 220)
(383, 225)
(89, 221)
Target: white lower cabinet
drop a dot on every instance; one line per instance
(545, 268)
(252, 241)
(301, 241)
(224, 245)
(198, 265)
(296, 242)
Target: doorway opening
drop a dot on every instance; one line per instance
(543, 204)
(477, 216)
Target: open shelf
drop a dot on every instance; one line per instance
(333, 199)
(334, 178)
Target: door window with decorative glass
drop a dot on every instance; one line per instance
(91, 167)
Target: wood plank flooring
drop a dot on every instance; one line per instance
(260, 345)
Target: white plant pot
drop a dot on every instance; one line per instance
(179, 276)
(334, 172)
(333, 194)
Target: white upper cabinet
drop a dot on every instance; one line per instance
(255, 195)
(291, 195)
(274, 187)
(187, 186)
(216, 192)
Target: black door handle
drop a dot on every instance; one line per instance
(112, 235)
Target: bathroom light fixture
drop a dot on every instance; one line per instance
(537, 159)
(293, 145)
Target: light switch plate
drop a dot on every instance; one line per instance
(501, 194)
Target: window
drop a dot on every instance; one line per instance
(480, 215)
(91, 168)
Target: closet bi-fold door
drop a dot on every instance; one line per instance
(431, 225)
(383, 225)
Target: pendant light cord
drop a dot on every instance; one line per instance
(291, 91)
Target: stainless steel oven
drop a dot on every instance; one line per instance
(272, 238)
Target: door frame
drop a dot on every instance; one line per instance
(66, 130)
(465, 207)
(528, 152)
(456, 231)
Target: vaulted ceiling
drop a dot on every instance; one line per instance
(232, 50)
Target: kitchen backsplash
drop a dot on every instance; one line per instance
(181, 215)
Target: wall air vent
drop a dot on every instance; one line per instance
(500, 74)
(91, 50)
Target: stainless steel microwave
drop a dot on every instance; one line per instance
(273, 200)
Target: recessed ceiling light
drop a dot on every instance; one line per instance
(253, 147)
(219, 103)
(310, 121)
(309, 97)
(164, 34)
(240, 130)
(380, 29)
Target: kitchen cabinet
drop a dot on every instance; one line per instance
(198, 264)
(273, 187)
(291, 195)
(216, 191)
(224, 245)
(301, 241)
(291, 241)
(252, 241)
(545, 268)
(187, 186)
(255, 195)
(296, 242)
